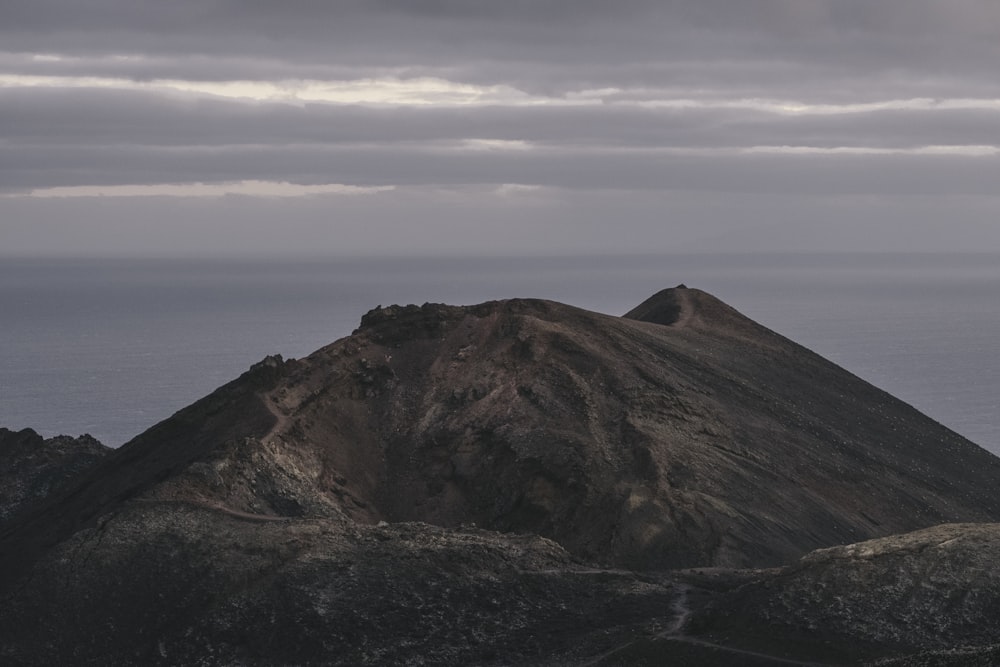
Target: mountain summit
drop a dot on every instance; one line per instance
(681, 435)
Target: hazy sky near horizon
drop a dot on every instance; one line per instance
(546, 126)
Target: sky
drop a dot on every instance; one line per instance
(367, 127)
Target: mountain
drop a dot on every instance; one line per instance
(516, 481)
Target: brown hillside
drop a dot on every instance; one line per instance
(708, 440)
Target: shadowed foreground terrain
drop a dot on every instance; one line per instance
(517, 482)
(34, 469)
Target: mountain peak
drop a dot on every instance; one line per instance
(666, 307)
(681, 307)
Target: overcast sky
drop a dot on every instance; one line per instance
(544, 126)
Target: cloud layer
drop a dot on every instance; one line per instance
(823, 123)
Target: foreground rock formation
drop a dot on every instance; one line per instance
(515, 482)
(35, 468)
(936, 589)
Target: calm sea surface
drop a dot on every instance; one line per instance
(110, 347)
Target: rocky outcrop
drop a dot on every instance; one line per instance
(35, 468)
(933, 595)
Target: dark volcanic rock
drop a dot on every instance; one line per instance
(711, 441)
(177, 583)
(319, 511)
(663, 307)
(32, 468)
(926, 593)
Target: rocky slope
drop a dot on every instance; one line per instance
(321, 510)
(176, 583)
(707, 440)
(933, 595)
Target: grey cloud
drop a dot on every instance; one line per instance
(599, 161)
(765, 15)
(895, 175)
(189, 67)
(688, 75)
(847, 39)
(43, 119)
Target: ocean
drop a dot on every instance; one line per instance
(110, 347)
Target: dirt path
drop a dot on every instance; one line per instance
(218, 507)
(686, 309)
(682, 610)
(584, 571)
(262, 518)
(281, 420)
(748, 654)
(675, 632)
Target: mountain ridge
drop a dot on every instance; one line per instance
(573, 412)
(682, 435)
